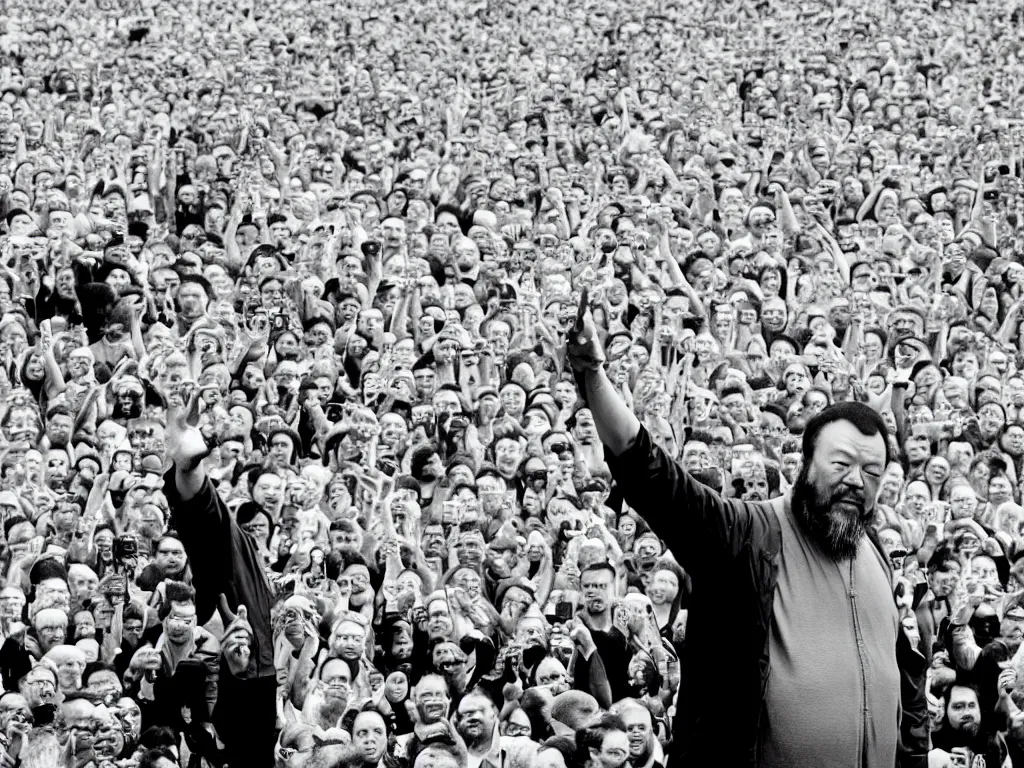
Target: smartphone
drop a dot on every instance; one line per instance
(563, 611)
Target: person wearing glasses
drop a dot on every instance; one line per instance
(604, 744)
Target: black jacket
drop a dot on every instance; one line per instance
(730, 548)
(225, 560)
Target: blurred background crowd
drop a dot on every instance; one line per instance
(354, 236)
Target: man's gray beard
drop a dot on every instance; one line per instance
(837, 534)
(330, 711)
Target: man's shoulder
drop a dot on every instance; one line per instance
(765, 532)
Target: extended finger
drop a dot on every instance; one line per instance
(192, 408)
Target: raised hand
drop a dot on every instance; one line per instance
(237, 643)
(186, 446)
(583, 350)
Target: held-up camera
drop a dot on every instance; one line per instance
(126, 547)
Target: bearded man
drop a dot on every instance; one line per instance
(811, 674)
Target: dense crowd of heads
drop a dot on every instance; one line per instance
(359, 233)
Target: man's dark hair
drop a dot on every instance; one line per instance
(604, 565)
(731, 390)
(152, 757)
(177, 592)
(157, 736)
(59, 410)
(97, 666)
(866, 420)
(349, 720)
(201, 281)
(592, 736)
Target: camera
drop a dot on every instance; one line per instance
(126, 547)
(371, 247)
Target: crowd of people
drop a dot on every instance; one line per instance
(294, 470)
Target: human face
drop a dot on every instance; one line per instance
(54, 592)
(14, 709)
(983, 568)
(180, 622)
(991, 419)
(268, 491)
(614, 752)
(508, 453)
(369, 734)
(835, 494)
(83, 584)
(281, 448)
(664, 587)
(170, 556)
(596, 587)
(432, 699)
(193, 300)
(773, 316)
(513, 400)
(476, 719)
(1000, 490)
(396, 687)
(439, 621)
(105, 683)
(639, 731)
(937, 471)
(962, 710)
(130, 715)
(348, 640)
(336, 678)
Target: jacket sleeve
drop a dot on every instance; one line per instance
(589, 676)
(224, 561)
(697, 524)
(914, 724)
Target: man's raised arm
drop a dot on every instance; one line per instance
(693, 520)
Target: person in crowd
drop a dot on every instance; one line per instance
(299, 465)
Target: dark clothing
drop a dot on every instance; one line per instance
(225, 560)
(603, 675)
(730, 549)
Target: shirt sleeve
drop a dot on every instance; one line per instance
(696, 523)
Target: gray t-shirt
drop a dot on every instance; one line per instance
(833, 698)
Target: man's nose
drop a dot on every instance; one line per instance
(855, 477)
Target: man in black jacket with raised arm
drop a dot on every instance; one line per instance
(794, 652)
(226, 565)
